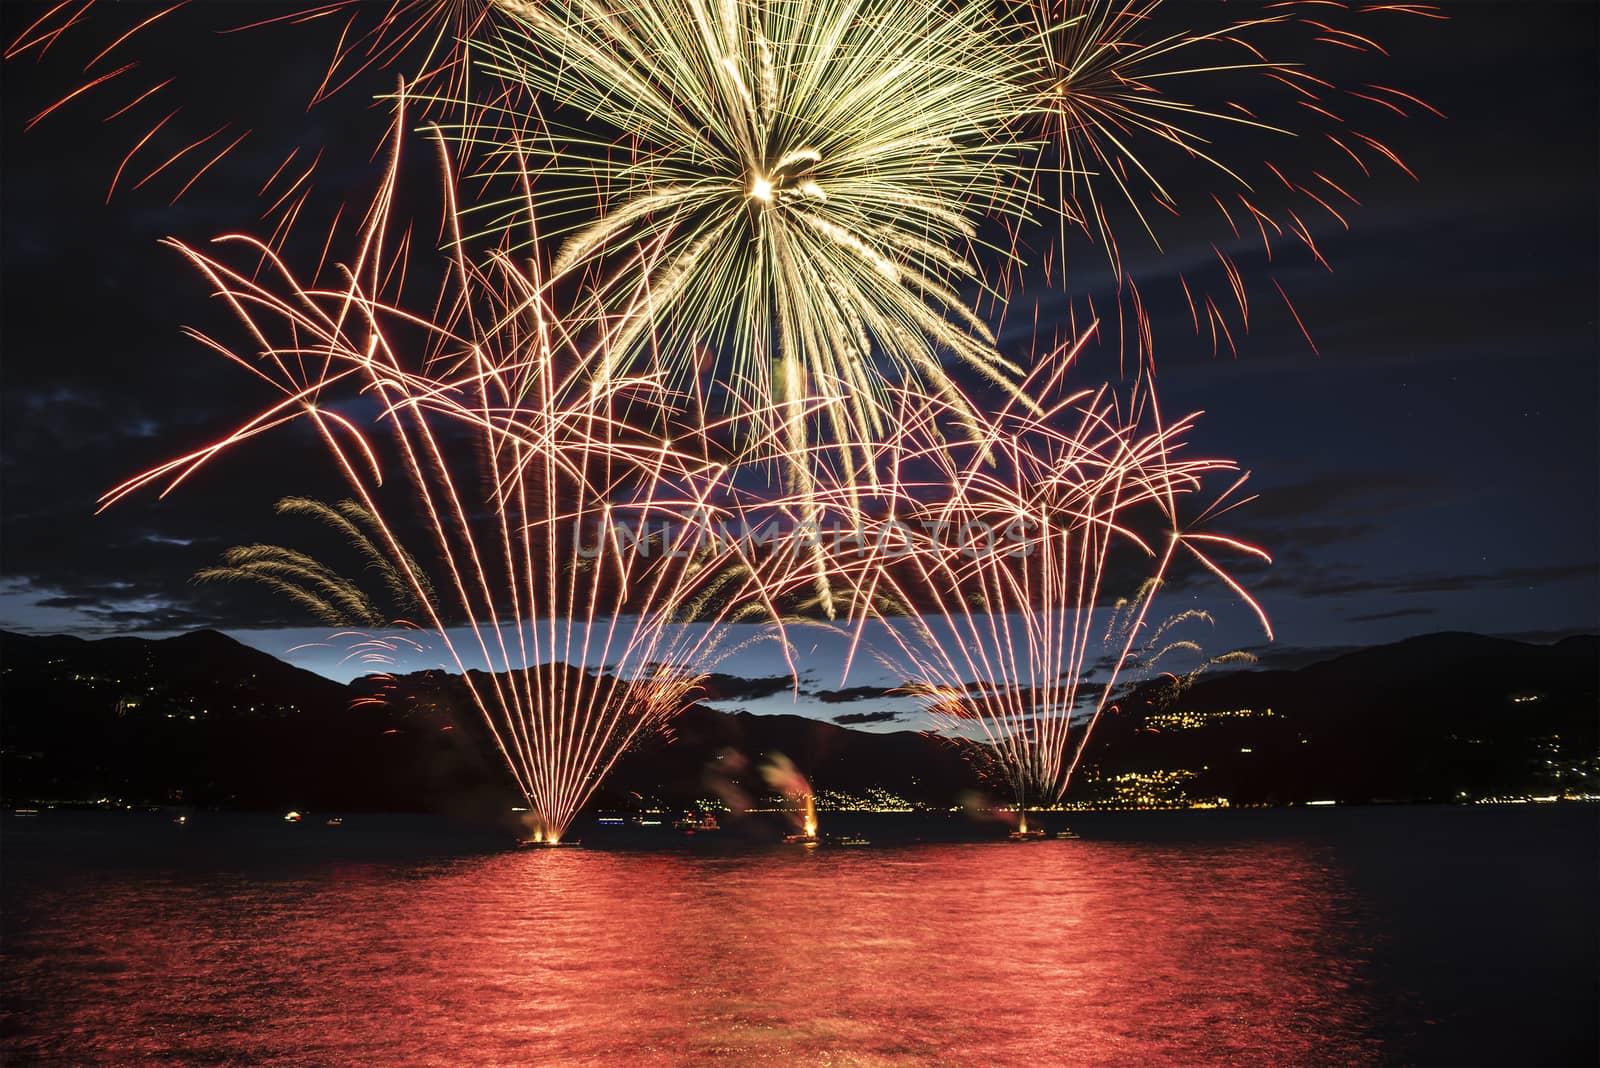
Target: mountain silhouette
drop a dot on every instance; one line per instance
(202, 719)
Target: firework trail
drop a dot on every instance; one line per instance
(329, 595)
(181, 87)
(781, 775)
(332, 596)
(988, 565)
(1148, 672)
(576, 555)
(796, 186)
(1150, 111)
(814, 181)
(765, 233)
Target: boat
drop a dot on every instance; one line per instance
(1067, 835)
(335, 821)
(848, 840)
(800, 838)
(1027, 834)
(292, 817)
(692, 823)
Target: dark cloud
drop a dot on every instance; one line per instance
(720, 687)
(857, 718)
(94, 610)
(853, 693)
(1550, 635)
(1394, 613)
(1332, 585)
(1345, 492)
(1285, 538)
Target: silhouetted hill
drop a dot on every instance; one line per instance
(196, 717)
(202, 719)
(1429, 718)
(202, 658)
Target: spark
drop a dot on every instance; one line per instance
(998, 638)
(521, 480)
(424, 40)
(796, 186)
(1138, 104)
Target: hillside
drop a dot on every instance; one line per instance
(201, 719)
(1436, 717)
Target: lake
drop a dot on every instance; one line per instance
(1272, 937)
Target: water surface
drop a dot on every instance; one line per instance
(1272, 938)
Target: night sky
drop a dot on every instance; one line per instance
(1435, 468)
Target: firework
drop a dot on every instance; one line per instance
(790, 196)
(781, 774)
(1151, 111)
(575, 554)
(806, 179)
(991, 565)
(181, 87)
(795, 188)
(324, 591)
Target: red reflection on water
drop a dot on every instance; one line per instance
(1040, 953)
